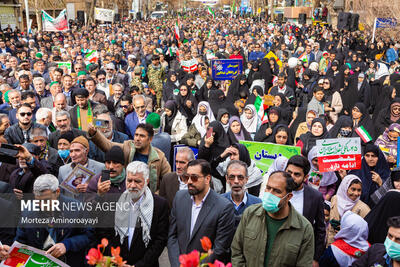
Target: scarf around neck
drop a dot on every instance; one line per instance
(145, 216)
(118, 179)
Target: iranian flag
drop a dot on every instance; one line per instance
(211, 12)
(176, 31)
(303, 57)
(91, 57)
(363, 134)
(58, 24)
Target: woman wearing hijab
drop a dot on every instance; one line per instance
(386, 208)
(280, 135)
(170, 86)
(350, 242)
(360, 117)
(278, 165)
(387, 142)
(265, 131)
(343, 128)
(256, 99)
(373, 173)
(223, 117)
(386, 96)
(333, 100)
(344, 73)
(281, 102)
(206, 88)
(388, 116)
(239, 152)
(349, 94)
(250, 119)
(238, 89)
(393, 182)
(186, 103)
(173, 122)
(347, 198)
(304, 126)
(308, 140)
(217, 100)
(237, 132)
(324, 182)
(199, 125)
(211, 147)
(274, 66)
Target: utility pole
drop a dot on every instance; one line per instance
(28, 27)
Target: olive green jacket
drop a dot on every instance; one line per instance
(293, 244)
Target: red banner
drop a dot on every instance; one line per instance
(339, 162)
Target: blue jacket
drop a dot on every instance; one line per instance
(131, 122)
(76, 239)
(239, 211)
(391, 55)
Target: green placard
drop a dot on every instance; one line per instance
(264, 154)
(68, 65)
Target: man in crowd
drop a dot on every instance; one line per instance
(79, 155)
(60, 104)
(48, 102)
(142, 231)
(4, 124)
(29, 98)
(274, 233)
(48, 155)
(237, 177)
(198, 212)
(140, 114)
(138, 150)
(63, 125)
(308, 201)
(82, 112)
(172, 182)
(20, 132)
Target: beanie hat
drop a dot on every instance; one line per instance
(81, 140)
(154, 120)
(69, 136)
(115, 154)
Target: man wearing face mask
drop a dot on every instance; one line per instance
(274, 233)
(386, 254)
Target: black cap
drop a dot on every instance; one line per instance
(81, 92)
(115, 154)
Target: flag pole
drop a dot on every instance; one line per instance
(28, 28)
(373, 33)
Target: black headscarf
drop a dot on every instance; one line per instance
(286, 109)
(221, 139)
(217, 100)
(237, 91)
(169, 86)
(343, 121)
(189, 113)
(364, 121)
(265, 70)
(383, 101)
(204, 90)
(382, 168)
(260, 134)
(252, 98)
(279, 128)
(377, 218)
(244, 154)
(169, 120)
(310, 140)
(301, 117)
(349, 95)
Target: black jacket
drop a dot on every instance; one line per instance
(54, 136)
(14, 134)
(374, 256)
(138, 254)
(74, 115)
(313, 210)
(98, 155)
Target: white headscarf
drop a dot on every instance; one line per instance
(250, 124)
(328, 178)
(354, 231)
(344, 203)
(382, 71)
(199, 119)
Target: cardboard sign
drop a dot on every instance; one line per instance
(339, 154)
(269, 100)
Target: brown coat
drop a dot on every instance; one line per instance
(158, 163)
(360, 208)
(99, 98)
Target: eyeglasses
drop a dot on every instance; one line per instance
(185, 177)
(125, 106)
(239, 177)
(23, 114)
(110, 69)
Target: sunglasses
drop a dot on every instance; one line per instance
(23, 114)
(101, 79)
(125, 106)
(185, 177)
(239, 177)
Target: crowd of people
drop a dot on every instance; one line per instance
(127, 98)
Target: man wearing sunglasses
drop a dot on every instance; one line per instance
(237, 177)
(197, 212)
(20, 132)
